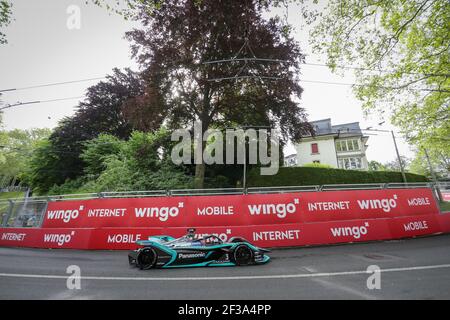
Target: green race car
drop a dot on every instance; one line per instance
(191, 251)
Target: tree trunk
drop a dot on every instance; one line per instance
(199, 176)
(200, 168)
(205, 120)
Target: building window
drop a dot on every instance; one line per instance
(290, 162)
(347, 145)
(350, 163)
(314, 148)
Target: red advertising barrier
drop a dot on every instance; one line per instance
(130, 212)
(446, 196)
(121, 238)
(444, 222)
(240, 210)
(278, 235)
(46, 238)
(405, 227)
(267, 220)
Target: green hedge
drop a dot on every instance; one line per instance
(303, 176)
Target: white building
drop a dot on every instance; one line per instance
(341, 146)
(290, 160)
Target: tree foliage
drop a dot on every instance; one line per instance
(394, 165)
(43, 169)
(440, 165)
(101, 112)
(376, 166)
(16, 146)
(98, 150)
(401, 53)
(181, 35)
(140, 163)
(5, 18)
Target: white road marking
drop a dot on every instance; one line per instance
(281, 276)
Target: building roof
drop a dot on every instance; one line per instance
(324, 127)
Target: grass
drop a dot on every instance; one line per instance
(445, 206)
(11, 195)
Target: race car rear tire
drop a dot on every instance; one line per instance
(242, 255)
(146, 258)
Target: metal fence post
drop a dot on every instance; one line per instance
(41, 221)
(9, 212)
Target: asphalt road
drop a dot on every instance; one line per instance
(410, 269)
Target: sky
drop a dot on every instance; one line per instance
(42, 49)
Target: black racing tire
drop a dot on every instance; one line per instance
(130, 261)
(146, 258)
(242, 255)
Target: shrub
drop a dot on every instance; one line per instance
(302, 176)
(316, 165)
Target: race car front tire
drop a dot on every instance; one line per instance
(146, 258)
(242, 255)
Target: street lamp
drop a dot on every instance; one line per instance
(244, 178)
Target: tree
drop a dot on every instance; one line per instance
(399, 51)
(376, 166)
(395, 165)
(5, 18)
(180, 35)
(43, 168)
(101, 112)
(98, 150)
(16, 146)
(140, 163)
(440, 164)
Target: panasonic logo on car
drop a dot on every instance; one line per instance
(280, 209)
(64, 215)
(355, 232)
(59, 239)
(162, 213)
(385, 204)
(191, 255)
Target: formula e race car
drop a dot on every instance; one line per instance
(192, 251)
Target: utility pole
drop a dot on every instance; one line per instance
(433, 176)
(399, 159)
(244, 180)
(396, 150)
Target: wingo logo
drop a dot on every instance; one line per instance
(59, 239)
(281, 210)
(162, 213)
(385, 204)
(354, 232)
(221, 236)
(64, 215)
